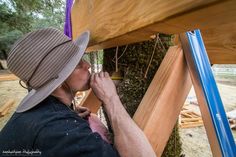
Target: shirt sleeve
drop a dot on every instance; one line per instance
(72, 137)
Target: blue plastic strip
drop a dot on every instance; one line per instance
(211, 93)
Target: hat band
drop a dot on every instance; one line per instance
(36, 68)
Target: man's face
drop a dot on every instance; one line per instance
(79, 79)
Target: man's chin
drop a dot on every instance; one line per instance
(85, 88)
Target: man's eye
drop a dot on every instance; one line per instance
(79, 65)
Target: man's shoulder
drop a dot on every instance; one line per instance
(46, 119)
(49, 111)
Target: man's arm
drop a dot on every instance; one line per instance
(128, 137)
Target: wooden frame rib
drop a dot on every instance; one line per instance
(160, 107)
(91, 101)
(114, 23)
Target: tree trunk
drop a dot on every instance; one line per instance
(138, 64)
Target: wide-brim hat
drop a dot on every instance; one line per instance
(43, 60)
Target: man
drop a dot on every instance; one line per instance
(45, 122)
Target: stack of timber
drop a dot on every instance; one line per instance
(6, 107)
(8, 77)
(90, 101)
(189, 118)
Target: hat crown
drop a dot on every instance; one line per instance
(39, 56)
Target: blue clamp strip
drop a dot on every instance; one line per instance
(211, 93)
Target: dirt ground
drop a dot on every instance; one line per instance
(195, 142)
(10, 90)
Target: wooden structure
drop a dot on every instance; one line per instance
(91, 101)
(189, 118)
(116, 22)
(172, 72)
(8, 77)
(6, 107)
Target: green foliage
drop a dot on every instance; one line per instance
(51, 14)
(133, 65)
(18, 17)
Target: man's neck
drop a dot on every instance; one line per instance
(63, 95)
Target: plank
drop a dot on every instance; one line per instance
(191, 119)
(186, 115)
(191, 125)
(195, 114)
(115, 23)
(109, 19)
(220, 43)
(6, 107)
(8, 77)
(162, 103)
(91, 101)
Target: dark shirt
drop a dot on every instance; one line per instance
(51, 129)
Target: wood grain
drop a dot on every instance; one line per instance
(116, 22)
(8, 77)
(161, 105)
(91, 101)
(108, 19)
(220, 43)
(206, 117)
(6, 107)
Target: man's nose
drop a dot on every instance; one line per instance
(86, 64)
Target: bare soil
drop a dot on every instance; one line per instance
(194, 140)
(10, 90)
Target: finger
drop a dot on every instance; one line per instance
(91, 78)
(101, 74)
(106, 74)
(96, 77)
(82, 109)
(84, 114)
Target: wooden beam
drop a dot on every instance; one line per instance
(6, 107)
(201, 98)
(116, 22)
(161, 105)
(91, 101)
(220, 43)
(8, 77)
(111, 19)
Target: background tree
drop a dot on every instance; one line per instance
(18, 17)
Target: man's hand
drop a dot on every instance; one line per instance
(83, 112)
(103, 86)
(129, 139)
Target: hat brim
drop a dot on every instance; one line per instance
(34, 97)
